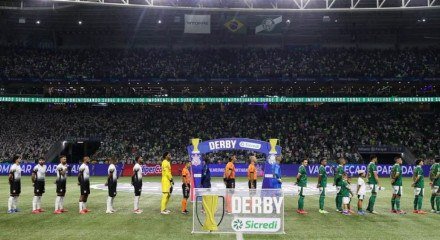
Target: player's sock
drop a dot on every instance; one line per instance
(84, 205)
(15, 202)
(437, 200)
(372, 201)
(39, 202)
(80, 206)
(416, 198)
(167, 200)
(228, 203)
(10, 203)
(433, 202)
(61, 203)
(321, 202)
(301, 203)
(183, 204)
(163, 202)
(393, 203)
(339, 202)
(336, 201)
(109, 203)
(57, 203)
(419, 202)
(34, 203)
(398, 204)
(136, 202)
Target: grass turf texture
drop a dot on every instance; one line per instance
(151, 225)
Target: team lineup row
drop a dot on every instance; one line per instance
(341, 181)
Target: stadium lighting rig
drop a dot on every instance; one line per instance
(271, 5)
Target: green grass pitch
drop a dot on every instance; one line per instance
(151, 225)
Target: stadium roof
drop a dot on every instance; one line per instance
(155, 25)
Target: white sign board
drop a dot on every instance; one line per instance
(200, 24)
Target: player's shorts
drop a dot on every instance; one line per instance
(301, 191)
(166, 186)
(397, 190)
(419, 191)
(252, 184)
(361, 197)
(137, 188)
(373, 188)
(15, 187)
(85, 187)
(112, 185)
(39, 188)
(230, 183)
(435, 189)
(321, 191)
(345, 200)
(61, 187)
(185, 190)
(338, 189)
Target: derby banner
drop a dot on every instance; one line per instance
(258, 211)
(198, 148)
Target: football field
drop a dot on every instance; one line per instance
(151, 225)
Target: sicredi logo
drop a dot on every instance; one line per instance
(256, 224)
(257, 205)
(250, 145)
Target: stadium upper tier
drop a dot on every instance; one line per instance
(229, 64)
(125, 132)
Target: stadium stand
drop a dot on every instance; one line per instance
(124, 132)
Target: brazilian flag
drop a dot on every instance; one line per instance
(235, 25)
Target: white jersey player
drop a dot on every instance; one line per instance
(15, 184)
(112, 182)
(136, 181)
(39, 181)
(61, 185)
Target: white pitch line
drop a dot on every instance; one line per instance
(239, 236)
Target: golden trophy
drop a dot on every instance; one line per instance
(273, 143)
(195, 142)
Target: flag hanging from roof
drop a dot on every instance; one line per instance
(235, 25)
(269, 24)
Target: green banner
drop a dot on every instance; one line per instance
(226, 100)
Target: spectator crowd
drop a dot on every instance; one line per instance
(125, 132)
(218, 63)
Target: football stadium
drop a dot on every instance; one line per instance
(219, 119)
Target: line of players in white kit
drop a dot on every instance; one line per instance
(39, 182)
(39, 175)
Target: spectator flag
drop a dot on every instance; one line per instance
(235, 25)
(197, 24)
(269, 24)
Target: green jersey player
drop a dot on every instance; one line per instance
(419, 185)
(322, 184)
(338, 182)
(396, 182)
(346, 194)
(301, 181)
(373, 181)
(434, 177)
